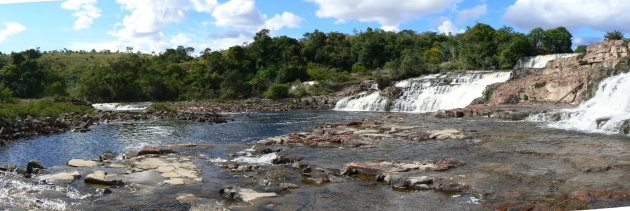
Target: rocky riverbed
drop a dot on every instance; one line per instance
(23, 127)
(389, 161)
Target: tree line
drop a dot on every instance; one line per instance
(267, 66)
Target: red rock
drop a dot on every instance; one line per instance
(448, 163)
(366, 168)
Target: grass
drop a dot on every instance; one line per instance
(157, 107)
(40, 109)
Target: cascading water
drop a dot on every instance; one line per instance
(607, 112)
(540, 61)
(428, 93)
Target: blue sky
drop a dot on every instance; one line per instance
(154, 25)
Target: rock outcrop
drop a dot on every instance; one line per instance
(566, 80)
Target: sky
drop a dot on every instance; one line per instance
(155, 25)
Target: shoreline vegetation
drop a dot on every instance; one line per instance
(269, 67)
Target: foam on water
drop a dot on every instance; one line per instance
(607, 112)
(427, 94)
(16, 192)
(122, 106)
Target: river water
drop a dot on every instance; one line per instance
(118, 137)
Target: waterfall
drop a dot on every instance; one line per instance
(540, 61)
(426, 94)
(607, 112)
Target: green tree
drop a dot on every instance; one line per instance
(277, 91)
(614, 35)
(478, 47)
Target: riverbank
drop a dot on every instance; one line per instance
(388, 161)
(81, 122)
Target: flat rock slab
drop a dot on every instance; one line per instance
(102, 178)
(62, 177)
(82, 163)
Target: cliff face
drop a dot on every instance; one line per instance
(566, 80)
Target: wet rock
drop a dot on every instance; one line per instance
(82, 163)
(299, 165)
(285, 159)
(146, 150)
(62, 177)
(286, 186)
(34, 166)
(367, 168)
(117, 165)
(102, 178)
(243, 194)
(107, 156)
(448, 163)
(319, 176)
(187, 198)
(448, 185)
(446, 134)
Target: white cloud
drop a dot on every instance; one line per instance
(472, 13)
(204, 5)
(390, 14)
(142, 28)
(181, 39)
(86, 12)
(238, 14)
(447, 27)
(604, 15)
(287, 19)
(12, 28)
(22, 1)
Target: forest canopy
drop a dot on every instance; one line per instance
(268, 66)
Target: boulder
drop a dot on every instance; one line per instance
(82, 163)
(102, 178)
(34, 166)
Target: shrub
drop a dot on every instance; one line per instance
(614, 35)
(6, 95)
(277, 91)
(487, 95)
(540, 84)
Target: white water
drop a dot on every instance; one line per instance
(428, 93)
(540, 61)
(611, 102)
(121, 106)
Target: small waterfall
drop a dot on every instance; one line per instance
(540, 61)
(428, 93)
(607, 112)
